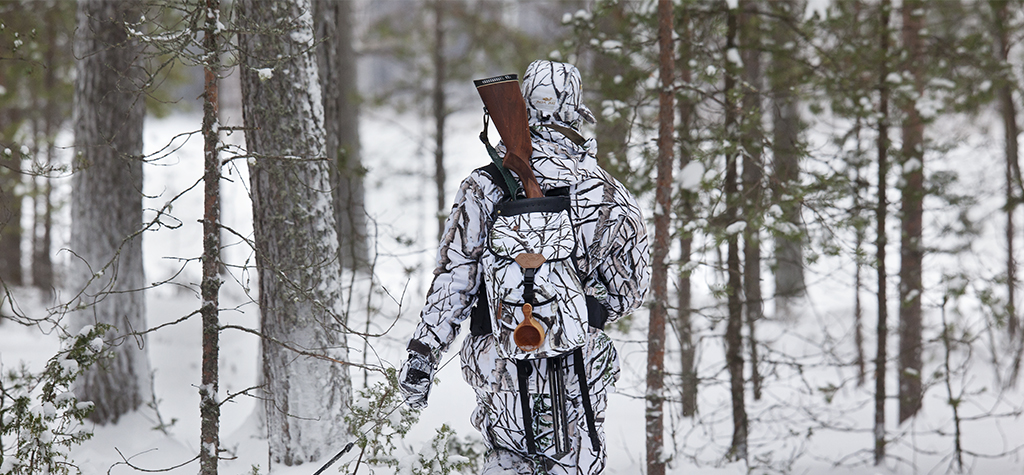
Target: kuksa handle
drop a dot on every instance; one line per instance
(505, 104)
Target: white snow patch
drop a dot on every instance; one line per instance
(611, 45)
(733, 56)
(265, 73)
(912, 165)
(691, 176)
(736, 227)
(817, 7)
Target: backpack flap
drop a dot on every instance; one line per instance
(530, 246)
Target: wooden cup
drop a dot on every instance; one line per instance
(528, 335)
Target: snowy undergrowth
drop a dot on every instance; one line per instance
(813, 417)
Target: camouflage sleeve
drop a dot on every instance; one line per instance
(625, 265)
(456, 278)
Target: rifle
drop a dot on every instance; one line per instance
(505, 104)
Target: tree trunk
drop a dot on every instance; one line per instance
(655, 414)
(789, 254)
(1000, 12)
(734, 324)
(613, 133)
(42, 236)
(911, 249)
(10, 219)
(860, 226)
(881, 239)
(106, 206)
(296, 237)
(440, 114)
(209, 408)
(684, 325)
(336, 58)
(752, 176)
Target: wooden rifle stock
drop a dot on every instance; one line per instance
(507, 108)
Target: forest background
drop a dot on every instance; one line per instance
(218, 220)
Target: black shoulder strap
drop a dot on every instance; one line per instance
(494, 173)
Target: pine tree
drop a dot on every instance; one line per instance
(296, 237)
(336, 59)
(784, 76)
(911, 248)
(209, 406)
(106, 206)
(734, 323)
(655, 413)
(687, 201)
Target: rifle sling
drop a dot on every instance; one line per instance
(570, 134)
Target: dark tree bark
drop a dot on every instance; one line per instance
(881, 237)
(209, 408)
(613, 133)
(296, 237)
(687, 198)
(655, 413)
(1008, 110)
(753, 173)
(440, 114)
(106, 206)
(336, 58)
(52, 118)
(911, 248)
(734, 323)
(10, 219)
(784, 77)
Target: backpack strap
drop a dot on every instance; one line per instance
(524, 368)
(588, 408)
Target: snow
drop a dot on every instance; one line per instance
(733, 56)
(817, 8)
(736, 227)
(265, 73)
(791, 421)
(691, 175)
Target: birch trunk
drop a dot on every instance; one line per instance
(296, 239)
(106, 275)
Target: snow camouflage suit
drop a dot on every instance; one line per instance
(613, 263)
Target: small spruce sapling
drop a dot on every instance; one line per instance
(40, 418)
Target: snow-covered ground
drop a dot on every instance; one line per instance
(811, 418)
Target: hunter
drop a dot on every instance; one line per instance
(610, 257)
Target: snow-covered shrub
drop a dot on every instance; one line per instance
(40, 418)
(378, 415)
(447, 454)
